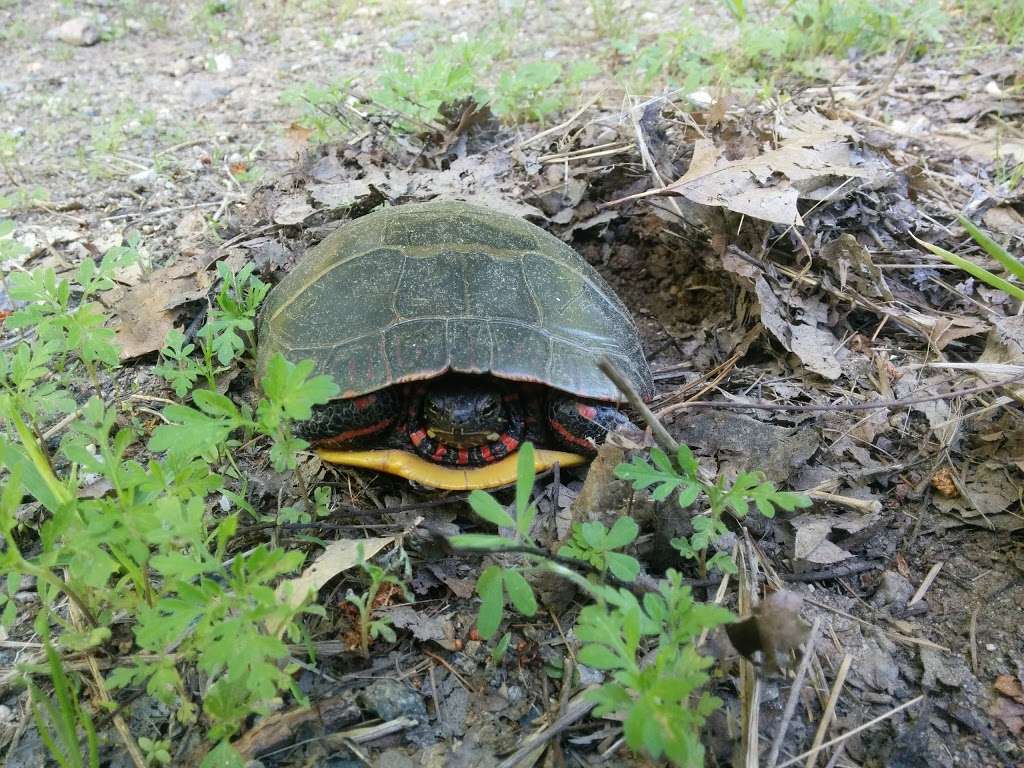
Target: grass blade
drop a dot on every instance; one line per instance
(971, 268)
(993, 249)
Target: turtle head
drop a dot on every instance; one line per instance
(463, 413)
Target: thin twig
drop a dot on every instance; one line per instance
(899, 403)
(926, 584)
(368, 733)
(794, 694)
(830, 710)
(843, 737)
(578, 708)
(661, 435)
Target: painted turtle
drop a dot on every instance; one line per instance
(455, 333)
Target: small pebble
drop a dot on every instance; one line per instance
(79, 31)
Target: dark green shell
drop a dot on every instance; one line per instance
(410, 292)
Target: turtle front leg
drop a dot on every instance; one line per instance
(353, 422)
(581, 425)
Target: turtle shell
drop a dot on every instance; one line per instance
(413, 291)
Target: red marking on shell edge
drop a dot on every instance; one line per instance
(568, 436)
(586, 411)
(485, 452)
(352, 434)
(362, 403)
(418, 437)
(463, 456)
(440, 452)
(509, 442)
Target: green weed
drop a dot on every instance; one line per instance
(146, 546)
(416, 88)
(71, 324)
(1009, 262)
(371, 627)
(683, 477)
(656, 674)
(59, 719)
(323, 109)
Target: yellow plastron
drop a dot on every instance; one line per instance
(419, 470)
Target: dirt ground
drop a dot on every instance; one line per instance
(910, 558)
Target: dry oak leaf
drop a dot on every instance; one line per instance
(144, 311)
(816, 159)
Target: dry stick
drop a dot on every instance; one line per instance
(794, 694)
(840, 406)
(926, 584)
(750, 681)
(973, 633)
(830, 710)
(578, 708)
(844, 736)
(100, 690)
(367, 733)
(661, 436)
(860, 505)
(894, 635)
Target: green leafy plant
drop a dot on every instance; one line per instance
(497, 584)
(538, 89)
(659, 692)
(176, 365)
(684, 478)
(156, 751)
(593, 543)
(416, 88)
(75, 327)
(144, 549)
(290, 395)
(500, 649)
(59, 720)
(371, 627)
(229, 328)
(324, 110)
(647, 646)
(736, 8)
(9, 247)
(1009, 262)
(300, 514)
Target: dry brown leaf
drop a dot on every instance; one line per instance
(1008, 685)
(940, 331)
(339, 556)
(424, 627)
(812, 545)
(982, 146)
(988, 491)
(297, 136)
(292, 210)
(853, 264)
(944, 484)
(1005, 220)
(813, 344)
(1010, 713)
(774, 629)
(815, 159)
(144, 312)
